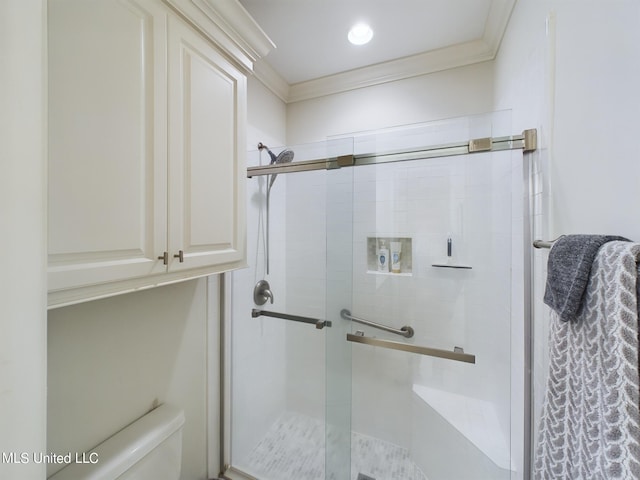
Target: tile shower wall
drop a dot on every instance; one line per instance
(257, 356)
(258, 344)
(469, 199)
(306, 291)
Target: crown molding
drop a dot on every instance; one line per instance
(407, 67)
(240, 25)
(400, 69)
(272, 80)
(496, 23)
(228, 25)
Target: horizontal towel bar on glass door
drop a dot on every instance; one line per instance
(320, 324)
(405, 331)
(458, 354)
(542, 244)
(545, 244)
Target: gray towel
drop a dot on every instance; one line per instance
(568, 268)
(590, 422)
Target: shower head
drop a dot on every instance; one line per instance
(285, 156)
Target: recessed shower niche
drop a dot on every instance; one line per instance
(390, 256)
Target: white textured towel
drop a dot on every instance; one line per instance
(590, 424)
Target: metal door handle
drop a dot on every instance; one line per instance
(457, 354)
(320, 324)
(164, 257)
(405, 331)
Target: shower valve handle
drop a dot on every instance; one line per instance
(262, 293)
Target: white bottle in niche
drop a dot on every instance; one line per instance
(383, 258)
(396, 254)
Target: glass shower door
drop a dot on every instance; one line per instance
(290, 381)
(412, 370)
(420, 347)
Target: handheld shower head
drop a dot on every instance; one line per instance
(285, 156)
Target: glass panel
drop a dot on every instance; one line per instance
(339, 295)
(278, 366)
(291, 381)
(449, 222)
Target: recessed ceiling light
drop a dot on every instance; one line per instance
(360, 34)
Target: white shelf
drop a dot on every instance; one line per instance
(390, 274)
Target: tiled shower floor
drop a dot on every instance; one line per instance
(293, 449)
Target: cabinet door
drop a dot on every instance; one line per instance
(207, 110)
(107, 140)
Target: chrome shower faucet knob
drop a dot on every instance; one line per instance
(262, 293)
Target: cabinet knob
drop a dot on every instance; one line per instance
(165, 258)
(180, 256)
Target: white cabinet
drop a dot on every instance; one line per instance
(206, 140)
(146, 150)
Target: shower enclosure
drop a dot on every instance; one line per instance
(411, 368)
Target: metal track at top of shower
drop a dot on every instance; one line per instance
(527, 142)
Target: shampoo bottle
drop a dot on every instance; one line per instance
(396, 254)
(383, 258)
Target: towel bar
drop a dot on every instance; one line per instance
(457, 353)
(544, 243)
(320, 324)
(405, 331)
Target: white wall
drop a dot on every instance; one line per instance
(266, 116)
(594, 172)
(23, 239)
(571, 69)
(112, 360)
(451, 93)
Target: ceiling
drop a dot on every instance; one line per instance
(411, 37)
